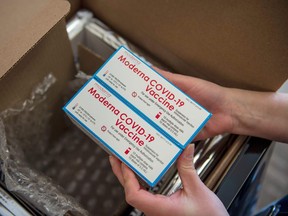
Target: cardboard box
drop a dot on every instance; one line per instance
(34, 43)
(239, 44)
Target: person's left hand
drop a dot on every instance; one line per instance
(194, 199)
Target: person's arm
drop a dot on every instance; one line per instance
(262, 114)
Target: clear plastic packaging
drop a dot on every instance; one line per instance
(24, 135)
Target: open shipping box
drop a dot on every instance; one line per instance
(240, 44)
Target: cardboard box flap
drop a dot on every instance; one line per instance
(238, 44)
(23, 24)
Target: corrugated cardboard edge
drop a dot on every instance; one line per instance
(60, 10)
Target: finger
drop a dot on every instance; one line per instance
(168, 75)
(136, 195)
(116, 168)
(182, 81)
(189, 177)
(202, 135)
(129, 178)
(162, 72)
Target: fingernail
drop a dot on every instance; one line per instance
(189, 151)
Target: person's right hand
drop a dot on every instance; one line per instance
(209, 95)
(237, 111)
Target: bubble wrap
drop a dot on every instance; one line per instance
(24, 134)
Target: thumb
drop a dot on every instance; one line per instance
(188, 174)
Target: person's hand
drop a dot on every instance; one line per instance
(194, 199)
(237, 111)
(211, 96)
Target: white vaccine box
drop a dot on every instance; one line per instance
(122, 131)
(161, 103)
